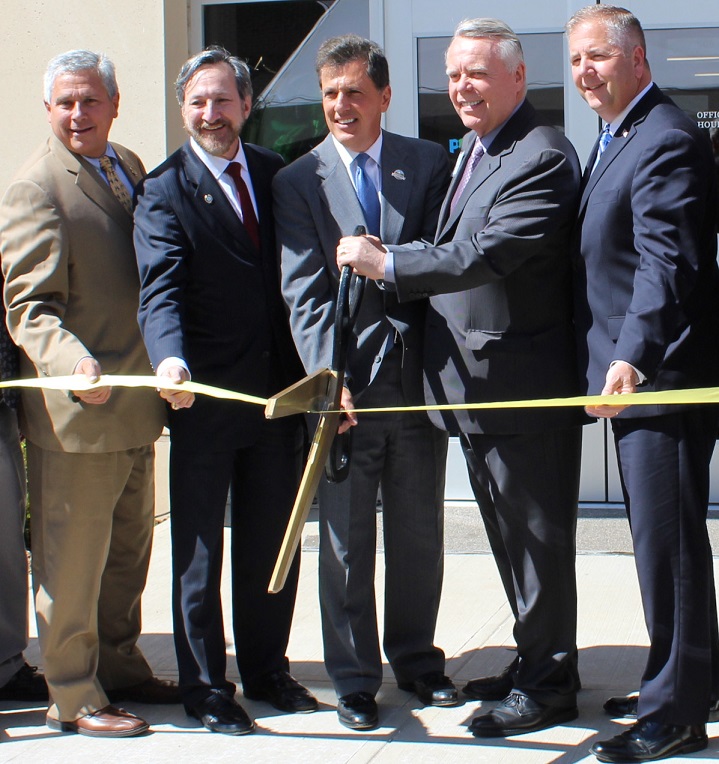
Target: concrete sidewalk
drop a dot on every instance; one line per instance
(475, 631)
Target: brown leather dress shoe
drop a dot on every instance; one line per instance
(107, 722)
(155, 691)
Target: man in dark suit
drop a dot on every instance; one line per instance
(18, 680)
(210, 304)
(500, 328)
(647, 316)
(71, 291)
(319, 199)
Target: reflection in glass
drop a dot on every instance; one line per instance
(287, 116)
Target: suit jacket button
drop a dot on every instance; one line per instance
(265, 355)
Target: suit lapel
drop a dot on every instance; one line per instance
(262, 186)
(89, 181)
(336, 189)
(621, 139)
(210, 200)
(397, 180)
(486, 167)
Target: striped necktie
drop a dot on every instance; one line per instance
(472, 161)
(604, 139)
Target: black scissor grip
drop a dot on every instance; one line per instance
(349, 298)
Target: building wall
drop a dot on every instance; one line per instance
(146, 39)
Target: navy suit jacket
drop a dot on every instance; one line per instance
(499, 326)
(210, 297)
(647, 286)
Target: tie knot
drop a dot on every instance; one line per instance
(106, 162)
(361, 160)
(234, 170)
(604, 138)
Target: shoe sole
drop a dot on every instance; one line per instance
(58, 726)
(359, 727)
(689, 747)
(566, 716)
(247, 731)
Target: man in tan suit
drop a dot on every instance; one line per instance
(71, 291)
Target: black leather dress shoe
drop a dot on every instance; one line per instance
(26, 684)
(284, 692)
(625, 707)
(649, 741)
(518, 714)
(220, 712)
(162, 692)
(622, 706)
(358, 711)
(495, 687)
(433, 689)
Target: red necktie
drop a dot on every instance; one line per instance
(249, 218)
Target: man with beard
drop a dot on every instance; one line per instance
(210, 305)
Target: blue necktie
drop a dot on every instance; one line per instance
(367, 194)
(604, 139)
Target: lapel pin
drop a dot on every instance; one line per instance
(399, 175)
(208, 198)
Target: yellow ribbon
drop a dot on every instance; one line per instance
(80, 382)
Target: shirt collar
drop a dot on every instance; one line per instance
(347, 156)
(616, 123)
(218, 165)
(95, 161)
(486, 140)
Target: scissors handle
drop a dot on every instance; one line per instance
(349, 298)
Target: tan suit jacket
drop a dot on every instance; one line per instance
(72, 291)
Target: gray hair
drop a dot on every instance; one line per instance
(622, 27)
(80, 61)
(510, 49)
(215, 54)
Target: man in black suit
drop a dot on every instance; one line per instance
(210, 305)
(647, 315)
(499, 327)
(318, 199)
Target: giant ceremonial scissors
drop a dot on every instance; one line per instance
(320, 392)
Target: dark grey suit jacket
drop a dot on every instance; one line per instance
(315, 205)
(499, 325)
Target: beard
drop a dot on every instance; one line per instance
(217, 142)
